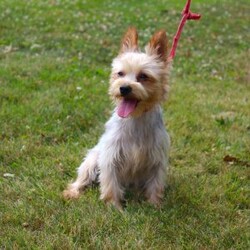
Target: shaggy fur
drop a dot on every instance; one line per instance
(133, 151)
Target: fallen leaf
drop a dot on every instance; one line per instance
(25, 224)
(231, 160)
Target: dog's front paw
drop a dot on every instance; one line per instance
(155, 201)
(115, 204)
(71, 193)
(109, 200)
(155, 198)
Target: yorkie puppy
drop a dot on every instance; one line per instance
(133, 151)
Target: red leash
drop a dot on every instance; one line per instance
(186, 15)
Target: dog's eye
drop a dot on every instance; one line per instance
(121, 74)
(142, 77)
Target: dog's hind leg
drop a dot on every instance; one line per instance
(87, 174)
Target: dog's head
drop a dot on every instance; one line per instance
(139, 80)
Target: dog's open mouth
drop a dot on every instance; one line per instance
(126, 107)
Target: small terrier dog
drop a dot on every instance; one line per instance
(133, 151)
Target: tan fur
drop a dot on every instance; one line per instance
(153, 90)
(158, 45)
(129, 41)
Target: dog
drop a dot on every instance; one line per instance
(133, 152)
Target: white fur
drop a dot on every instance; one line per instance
(132, 151)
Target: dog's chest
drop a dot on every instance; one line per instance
(136, 150)
(137, 144)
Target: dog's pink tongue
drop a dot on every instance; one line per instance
(126, 107)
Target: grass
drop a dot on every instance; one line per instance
(54, 70)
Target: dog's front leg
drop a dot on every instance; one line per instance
(111, 190)
(154, 187)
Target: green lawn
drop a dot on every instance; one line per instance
(54, 68)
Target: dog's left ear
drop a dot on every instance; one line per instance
(158, 45)
(129, 41)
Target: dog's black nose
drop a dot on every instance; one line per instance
(125, 90)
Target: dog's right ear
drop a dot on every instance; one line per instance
(158, 45)
(129, 41)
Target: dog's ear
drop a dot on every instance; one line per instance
(158, 45)
(129, 41)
